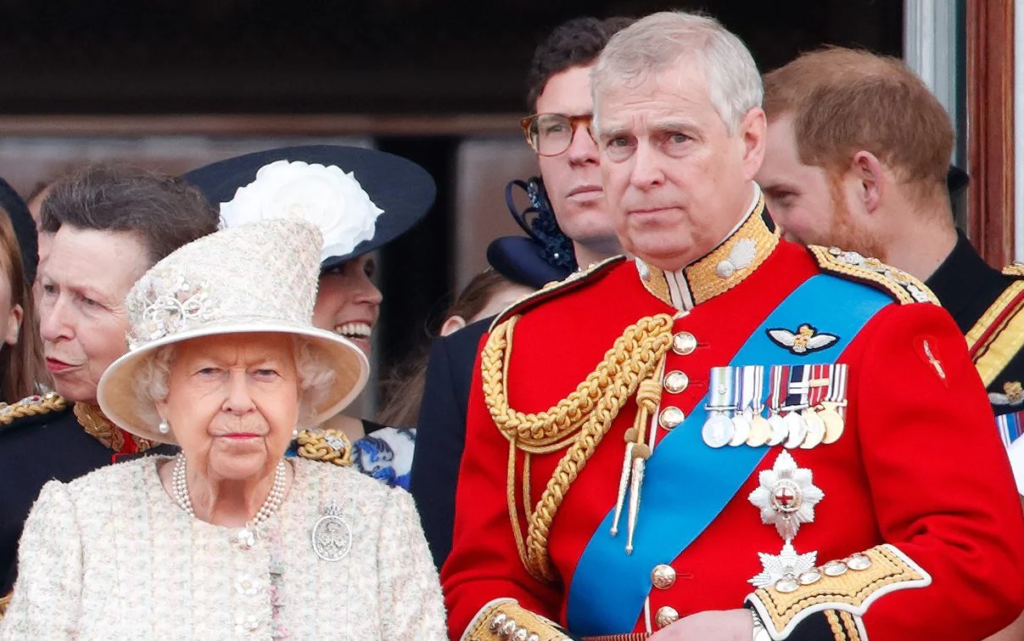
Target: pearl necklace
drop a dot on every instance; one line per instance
(179, 486)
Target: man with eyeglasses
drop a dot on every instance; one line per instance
(558, 94)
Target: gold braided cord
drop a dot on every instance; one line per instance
(609, 379)
(579, 421)
(4, 602)
(835, 625)
(321, 445)
(31, 406)
(513, 511)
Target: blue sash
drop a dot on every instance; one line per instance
(609, 587)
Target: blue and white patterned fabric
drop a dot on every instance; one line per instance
(386, 455)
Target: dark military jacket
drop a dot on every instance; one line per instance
(988, 306)
(37, 448)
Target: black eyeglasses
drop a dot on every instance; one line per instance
(551, 134)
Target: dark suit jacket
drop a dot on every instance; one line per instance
(441, 433)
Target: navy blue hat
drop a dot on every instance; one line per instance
(24, 229)
(521, 260)
(546, 254)
(400, 187)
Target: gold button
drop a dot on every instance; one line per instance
(666, 616)
(670, 417)
(684, 343)
(676, 381)
(663, 576)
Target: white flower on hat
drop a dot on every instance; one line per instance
(324, 196)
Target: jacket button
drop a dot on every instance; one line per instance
(670, 417)
(684, 343)
(676, 381)
(666, 616)
(663, 576)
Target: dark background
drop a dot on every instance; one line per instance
(359, 57)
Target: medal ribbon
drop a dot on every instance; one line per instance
(837, 388)
(758, 404)
(746, 388)
(821, 379)
(780, 380)
(607, 590)
(799, 377)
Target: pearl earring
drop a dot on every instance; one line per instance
(295, 433)
(163, 427)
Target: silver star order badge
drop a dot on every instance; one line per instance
(786, 496)
(784, 564)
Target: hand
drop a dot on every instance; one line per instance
(713, 625)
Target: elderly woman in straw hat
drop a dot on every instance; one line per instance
(228, 539)
(361, 199)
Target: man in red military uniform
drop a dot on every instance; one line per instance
(731, 436)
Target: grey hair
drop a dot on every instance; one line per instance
(656, 43)
(316, 378)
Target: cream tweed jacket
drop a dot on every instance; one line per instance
(111, 556)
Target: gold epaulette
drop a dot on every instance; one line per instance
(4, 602)
(502, 619)
(999, 333)
(1014, 269)
(31, 406)
(555, 288)
(327, 446)
(870, 271)
(843, 590)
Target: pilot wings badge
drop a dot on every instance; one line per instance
(807, 339)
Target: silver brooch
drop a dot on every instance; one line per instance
(786, 496)
(332, 536)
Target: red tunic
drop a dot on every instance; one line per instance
(918, 465)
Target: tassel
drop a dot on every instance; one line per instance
(640, 455)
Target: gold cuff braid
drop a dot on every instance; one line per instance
(577, 422)
(850, 593)
(507, 620)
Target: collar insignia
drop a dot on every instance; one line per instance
(805, 340)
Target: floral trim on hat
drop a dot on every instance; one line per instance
(167, 303)
(326, 196)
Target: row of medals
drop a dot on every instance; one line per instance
(798, 428)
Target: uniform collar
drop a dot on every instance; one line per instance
(964, 283)
(727, 265)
